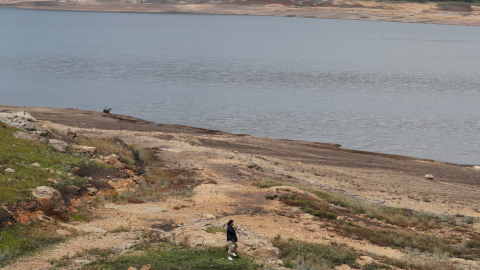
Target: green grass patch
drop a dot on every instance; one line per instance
(170, 257)
(271, 183)
(78, 217)
(19, 155)
(216, 229)
(21, 239)
(309, 255)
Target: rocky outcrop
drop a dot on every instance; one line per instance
(25, 121)
(50, 201)
(38, 131)
(249, 243)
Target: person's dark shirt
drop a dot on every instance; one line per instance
(231, 234)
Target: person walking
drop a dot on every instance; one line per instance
(232, 240)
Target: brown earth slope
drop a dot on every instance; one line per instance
(386, 179)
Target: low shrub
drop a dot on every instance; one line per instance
(294, 252)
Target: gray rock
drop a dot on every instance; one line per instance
(17, 119)
(63, 232)
(429, 176)
(46, 219)
(60, 146)
(36, 165)
(10, 170)
(50, 201)
(21, 135)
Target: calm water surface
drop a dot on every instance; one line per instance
(408, 89)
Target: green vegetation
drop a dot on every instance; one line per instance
(271, 183)
(169, 257)
(19, 155)
(396, 216)
(271, 197)
(216, 229)
(422, 242)
(120, 229)
(109, 146)
(256, 167)
(21, 239)
(158, 184)
(313, 256)
(78, 217)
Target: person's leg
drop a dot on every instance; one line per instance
(234, 248)
(230, 247)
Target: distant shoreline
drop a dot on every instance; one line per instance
(369, 11)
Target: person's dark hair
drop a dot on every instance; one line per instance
(230, 222)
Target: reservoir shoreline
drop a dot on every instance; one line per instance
(429, 13)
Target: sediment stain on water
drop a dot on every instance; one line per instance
(408, 89)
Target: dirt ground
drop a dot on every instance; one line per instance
(384, 179)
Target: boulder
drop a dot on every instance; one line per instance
(111, 159)
(50, 201)
(17, 119)
(429, 176)
(249, 243)
(208, 216)
(60, 146)
(118, 165)
(25, 121)
(53, 181)
(21, 135)
(10, 170)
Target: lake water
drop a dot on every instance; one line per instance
(408, 89)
